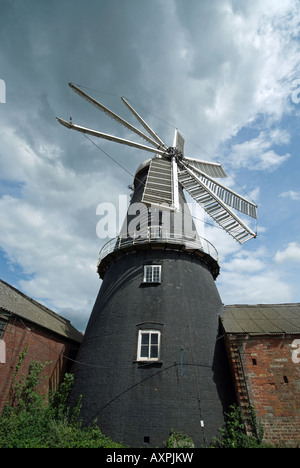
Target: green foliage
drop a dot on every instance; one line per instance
(179, 440)
(21, 358)
(234, 435)
(23, 393)
(29, 421)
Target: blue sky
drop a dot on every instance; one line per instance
(225, 72)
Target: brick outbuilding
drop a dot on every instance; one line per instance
(30, 329)
(263, 345)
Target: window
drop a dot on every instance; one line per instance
(3, 324)
(152, 273)
(148, 345)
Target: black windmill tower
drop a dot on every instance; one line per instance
(152, 358)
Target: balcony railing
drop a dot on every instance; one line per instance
(157, 235)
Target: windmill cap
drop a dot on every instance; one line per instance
(141, 168)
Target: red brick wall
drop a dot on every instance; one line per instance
(272, 384)
(43, 346)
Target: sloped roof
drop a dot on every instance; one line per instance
(262, 319)
(15, 302)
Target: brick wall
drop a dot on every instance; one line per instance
(267, 378)
(43, 346)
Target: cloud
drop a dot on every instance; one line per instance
(257, 153)
(250, 277)
(254, 277)
(49, 229)
(234, 52)
(292, 194)
(291, 254)
(47, 250)
(248, 288)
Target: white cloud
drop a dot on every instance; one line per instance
(292, 194)
(240, 62)
(229, 72)
(250, 277)
(247, 288)
(245, 265)
(291, 254)
(257, 153)
(49, 231)
(254, 277)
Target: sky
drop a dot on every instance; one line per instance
(226, 73)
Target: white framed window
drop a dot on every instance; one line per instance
(148, 345)
(152, 274)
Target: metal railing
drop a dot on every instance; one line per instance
(157, 235)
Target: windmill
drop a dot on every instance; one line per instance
(171, 167)
(153, 356)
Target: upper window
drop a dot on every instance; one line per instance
(148, 345)
(152, 274)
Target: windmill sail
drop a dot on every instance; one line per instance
(178, 142)
(228, 196)
(144, 124)
(158, 187)
(215, 206)
(117, 118)
(210, 168)
(106, 136)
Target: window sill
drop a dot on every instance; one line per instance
(146, 284)
(146, 364)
